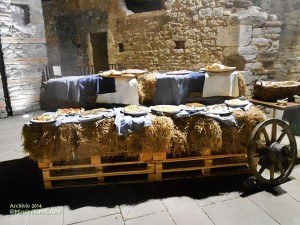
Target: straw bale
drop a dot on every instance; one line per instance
(87, 140)
(177, 136)
(235, 140)
(158, 136)
(146, 87)
(200, 133)
(45, 141)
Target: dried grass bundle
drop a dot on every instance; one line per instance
(235, 140)
(201, 133)
(158, 136)
(45, 141)
(146, 88)
(87, 141)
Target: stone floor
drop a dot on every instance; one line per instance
(226, 200)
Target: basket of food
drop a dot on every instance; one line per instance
(271, 91)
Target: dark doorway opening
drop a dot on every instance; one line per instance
(138, 6)
(100, 54)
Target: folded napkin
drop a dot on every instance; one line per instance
(128, 124)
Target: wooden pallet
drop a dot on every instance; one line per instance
(97, 170)
(169, 167)
(144, 167)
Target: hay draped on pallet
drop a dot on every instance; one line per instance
(177, 136)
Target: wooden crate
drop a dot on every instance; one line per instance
(97, 170)
(145, 167)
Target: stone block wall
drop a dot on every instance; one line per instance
(67, 25)
(24, 48)
(259, 37)
(235, 33)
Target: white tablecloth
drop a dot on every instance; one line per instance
(126, 92)
(221, 84)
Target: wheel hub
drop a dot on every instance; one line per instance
(279, 151)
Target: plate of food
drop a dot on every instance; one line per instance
(94, 112)
(178, 72)
(219, 109)
(171, 109)
(234, 103)
(133, 71)
(135, 110)
(69, 112)
(193, 107)
(218, 68)
(110, 73)
(45, 118)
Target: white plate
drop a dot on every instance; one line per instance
(234, 104)
(133, 71)
(41, 121)
(187, 108)
(171, 109)
(219, 110)
(142, 113)
(226, 69)
(179, 72)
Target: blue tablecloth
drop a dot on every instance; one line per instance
(174, 89)
(74, 91)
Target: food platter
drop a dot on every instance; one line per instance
(171, 109)
(220, 70)
(45, 118)
(194, 104)
(143, 113)
(133, 71)
(178, 72)
(68, 112)
(190, 108)
(234, 103)
(221, 109)
(135, 110)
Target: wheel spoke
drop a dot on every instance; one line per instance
(262, 169)
(280, 167)
(281, 136)
(274, 132)
(267, 139)
(272, 171)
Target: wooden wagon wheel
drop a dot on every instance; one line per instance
(272, 151)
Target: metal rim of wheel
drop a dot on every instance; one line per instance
(272, 150)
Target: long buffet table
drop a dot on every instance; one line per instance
(91, 91)
(94, 152)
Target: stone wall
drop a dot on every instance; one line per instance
(259, 37)
(23, 44)
(288, 11)
(235, 33)
(67, 27)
